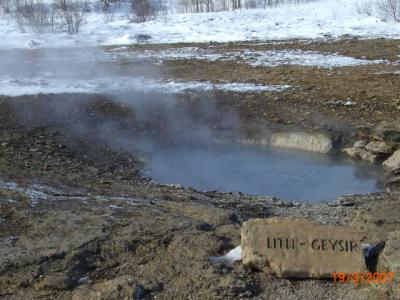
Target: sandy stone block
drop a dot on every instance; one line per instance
(298, 248)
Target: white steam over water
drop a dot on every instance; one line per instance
(91, 70)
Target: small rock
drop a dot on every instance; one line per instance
(4, 144)
(355, 153)
(349, 103)
(388, 131)
(379, 147)
(33, 43)
(344, 201)
(393, 162)
(13, 241)
(83, 280)
(393, 183)
(360, 153)
(360, 144)
(204, 226)
(140, 292)
(142, 37)
(93, 170)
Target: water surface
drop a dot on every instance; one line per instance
(286, 174)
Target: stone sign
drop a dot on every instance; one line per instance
(290, 247)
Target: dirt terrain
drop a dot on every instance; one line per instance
(79, 220)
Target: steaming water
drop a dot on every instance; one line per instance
(252, 170)
(90, 70)
(288, 175)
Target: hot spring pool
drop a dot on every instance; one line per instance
(286, 174)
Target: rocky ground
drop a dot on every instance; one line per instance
(78, 220)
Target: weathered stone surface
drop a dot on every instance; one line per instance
(352, 152)
(379, 147)
(315, 142)
(307, 141)
(389, 131)
(389, 260)
(360, 153)
(392, 183)
(298, 248)
(393, 162)
(360, 144)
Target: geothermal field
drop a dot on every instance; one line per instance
(245, 149)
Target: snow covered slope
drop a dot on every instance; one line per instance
(320, 19)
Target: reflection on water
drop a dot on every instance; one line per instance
(286, 174)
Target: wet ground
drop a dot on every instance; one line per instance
(79, 218)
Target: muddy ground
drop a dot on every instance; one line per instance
(78, 220)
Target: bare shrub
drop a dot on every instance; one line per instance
(162, 13)
(250, 4)
(105, 5)
(73, 14)
(365, 7)
(143, 10)
(199, 6)
(110, 6)
(390, 8)
(5, 7)
(35, 14)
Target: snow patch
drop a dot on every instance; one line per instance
(234, 255)
(113, 206)
(128, 200)
(37, 192)
(387, 73)
(271, 58)
(25, 86)
(33, 194)
(302, 58)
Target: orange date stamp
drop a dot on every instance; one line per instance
(363, 277)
